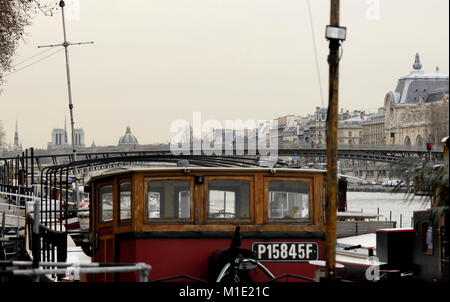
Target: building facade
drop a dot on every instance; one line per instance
(373, 129)
(416, 113)
(60, 139)
(311, 129)
(285, 127)
(350, 131)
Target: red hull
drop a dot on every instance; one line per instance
(174, 256)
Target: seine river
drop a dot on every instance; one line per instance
(389, 205)
(394, 204)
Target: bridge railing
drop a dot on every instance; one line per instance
(48, 156)
(362, 147)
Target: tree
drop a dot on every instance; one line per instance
(15, 15)
(439, 117)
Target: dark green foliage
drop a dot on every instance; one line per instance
(427, 179)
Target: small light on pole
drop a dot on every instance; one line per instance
(336, 33)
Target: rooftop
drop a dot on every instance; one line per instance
(128, 139)
(419, 84)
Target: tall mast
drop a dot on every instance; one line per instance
(331, 136)
(66, 45)
(65, 130)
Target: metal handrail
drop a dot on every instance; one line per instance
(20, 195)
(83, 268)
(15, 207)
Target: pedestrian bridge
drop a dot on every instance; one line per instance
(230, 154)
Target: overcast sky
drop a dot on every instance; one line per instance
(157, 61)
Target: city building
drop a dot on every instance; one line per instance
(350, 130)
(373, 128)
(311, 129)
(287, 122)
(79, 138)
(416, 113)
(60, 139)
(290, 134)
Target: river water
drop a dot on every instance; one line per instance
(392, 205)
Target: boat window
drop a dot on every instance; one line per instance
(106, 203)
(288, 199)
(125, 200)
(228, 199)
(168, 199)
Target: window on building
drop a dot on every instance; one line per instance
(106, 203)
(168, 199)
(125, 201)
(228, 199)
(288, 199)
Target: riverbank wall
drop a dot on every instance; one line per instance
(374, 188)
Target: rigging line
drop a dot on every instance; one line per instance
(35, 62)
(315, 52)
(38, 54)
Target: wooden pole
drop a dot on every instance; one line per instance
(332, 133)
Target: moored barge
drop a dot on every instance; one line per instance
(182, 220)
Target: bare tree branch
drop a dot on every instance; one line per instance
(15, 16)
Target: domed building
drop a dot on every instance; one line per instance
(128, 139)
(416, 113)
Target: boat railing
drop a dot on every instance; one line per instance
(52, 243)
(11, 216)
(11, 209)
(71, 270)
(16, 195)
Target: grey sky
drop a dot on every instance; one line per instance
(157, 61)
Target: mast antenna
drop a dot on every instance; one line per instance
(66, 45)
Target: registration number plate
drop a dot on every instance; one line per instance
(285, 251)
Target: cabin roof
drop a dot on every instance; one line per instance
(122, 170)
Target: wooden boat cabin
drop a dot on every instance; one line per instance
(181, 221)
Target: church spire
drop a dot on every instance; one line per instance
(16, 138)
(417, 65)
